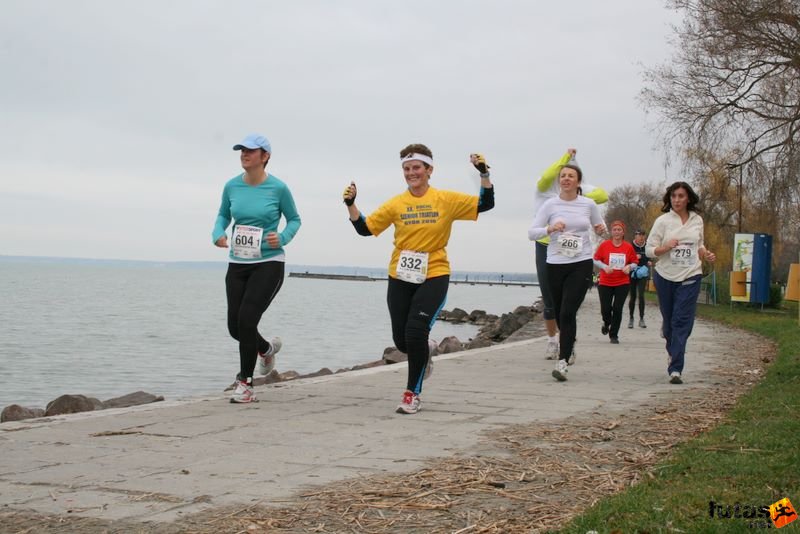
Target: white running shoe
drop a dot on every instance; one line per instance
(433, 349)
(243, 393)
(410, 403)
(675, 378)
(552, 351)
(560, 372)
(266, 362)
(572, 357)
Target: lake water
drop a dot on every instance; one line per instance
(107, 329)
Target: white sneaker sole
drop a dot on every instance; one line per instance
(265, 364)
(235, 400)
(558, 375)
(407, 410)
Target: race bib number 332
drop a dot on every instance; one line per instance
(412, 266)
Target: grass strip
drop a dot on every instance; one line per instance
(751, 459)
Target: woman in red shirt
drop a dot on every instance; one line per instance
(615, 258)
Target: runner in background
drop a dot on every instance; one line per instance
(616, 259)
(547, 187)
(255, 201)
(419, 272)
(676, 239)
(639, 278)
(568, 219)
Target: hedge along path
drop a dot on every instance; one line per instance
(524, 478)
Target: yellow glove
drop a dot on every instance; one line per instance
(349, 195)
(480, 163)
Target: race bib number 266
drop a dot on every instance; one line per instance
(569, 245)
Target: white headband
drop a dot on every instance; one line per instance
(418, 157)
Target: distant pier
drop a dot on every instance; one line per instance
(364, 278)
(514, 283)
(356, 277)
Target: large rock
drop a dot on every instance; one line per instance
(506, 325)
(510, 323)
(458, 316)
(393, 355)
(132, 399)
(477, 317)
(375, 363)
(289, 375)
(450, 344)
(322, 372)
(478, 343)
(271, 378)
(15, 412)
(72, 404)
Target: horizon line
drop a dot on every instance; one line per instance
(213, 262)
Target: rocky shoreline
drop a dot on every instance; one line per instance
(520, 324)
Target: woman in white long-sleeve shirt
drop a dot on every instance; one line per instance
(567, 219)
(676, 239)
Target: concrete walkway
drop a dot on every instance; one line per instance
(162, 461)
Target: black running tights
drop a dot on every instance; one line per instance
(413, 309)
(568, 284)
(250, 289)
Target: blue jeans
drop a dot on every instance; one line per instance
(678, 304)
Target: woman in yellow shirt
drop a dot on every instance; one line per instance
(419, 272)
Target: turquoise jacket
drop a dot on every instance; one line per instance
(259, 205)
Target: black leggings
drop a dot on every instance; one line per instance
(544, 284)
(250, 289)
(612, 302)
(413, 309)
(568, 284)
(637, 286)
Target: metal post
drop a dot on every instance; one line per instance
(740, 199)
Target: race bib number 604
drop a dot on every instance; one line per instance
(247, 241)
(412, 266)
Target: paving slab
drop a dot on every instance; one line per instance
(161, 461)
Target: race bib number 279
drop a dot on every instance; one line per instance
(684, 255)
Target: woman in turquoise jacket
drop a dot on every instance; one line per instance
(255, 202)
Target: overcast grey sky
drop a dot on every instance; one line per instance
(118, 118)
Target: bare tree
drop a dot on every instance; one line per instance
(729, 102)
(636, 205)
(733, 84)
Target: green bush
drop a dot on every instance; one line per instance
(723, 287)
(775, 295)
